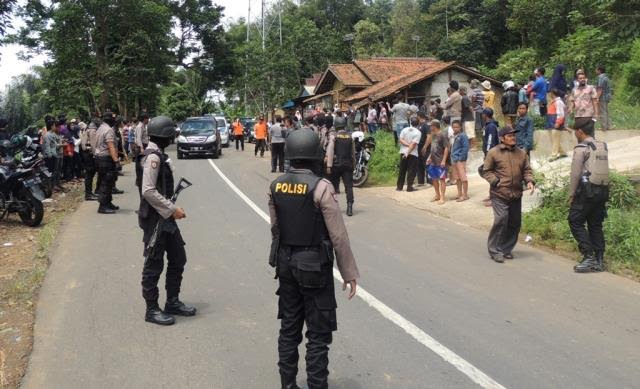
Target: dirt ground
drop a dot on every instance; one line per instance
(23, 263)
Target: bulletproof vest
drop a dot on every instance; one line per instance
(299, 220)
(343, 149)
(597, 163)
(147, 215)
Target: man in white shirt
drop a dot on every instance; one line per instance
(409, 139)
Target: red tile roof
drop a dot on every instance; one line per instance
(380, 69)
(349, 75)
(398, 82)
(395, 84)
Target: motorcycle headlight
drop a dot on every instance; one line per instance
(182, 139)
(210, 139)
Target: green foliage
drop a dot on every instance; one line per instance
(631, 74)
(383, 166)
(587, 48)
(622, 227)
(404, 26)
(368, 42)
(516, 65)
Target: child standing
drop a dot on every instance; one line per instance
(459, 154)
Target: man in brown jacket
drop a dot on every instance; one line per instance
(506, 167)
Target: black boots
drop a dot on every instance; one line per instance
(106, 210)
(116, 191)
(155, 315)
(349, 209)
(90, 197)
(590, 263)
(173, 307)
(113, 206)
(176, 307)
(289, 383)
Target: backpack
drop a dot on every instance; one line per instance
(597, 163)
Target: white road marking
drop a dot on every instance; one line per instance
(475, 374)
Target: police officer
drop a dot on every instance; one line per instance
(588, 195)
(87, 139)
(107, 163)
(340, 159)
(140, 144)
(307, 228)
(157, 189)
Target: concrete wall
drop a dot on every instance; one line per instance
(436, 87)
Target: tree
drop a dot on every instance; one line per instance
(404, 25)
(368, 41)
(6, 8)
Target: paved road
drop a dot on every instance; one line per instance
(458, 320)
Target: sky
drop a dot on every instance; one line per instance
(11, 66)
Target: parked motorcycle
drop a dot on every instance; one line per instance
(29, 158)
(364, 147)
(20, 193)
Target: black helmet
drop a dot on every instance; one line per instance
(302, 144)
(109, 118)
(340, 122)
(161, 127)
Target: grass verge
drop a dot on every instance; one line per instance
(383, 167)
(549, 226)
(26, 264)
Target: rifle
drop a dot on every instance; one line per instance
(151, 245)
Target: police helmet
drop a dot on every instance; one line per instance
(109, 118)
(339, 122)
(161, 127)
(302, 144)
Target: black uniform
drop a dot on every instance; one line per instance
(304, 268)
(589, 186)
(169, 239)
(343, 163)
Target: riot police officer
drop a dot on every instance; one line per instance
(107, 163)
(588, 195)
(307, 228)
(340, 159)
(157, 189)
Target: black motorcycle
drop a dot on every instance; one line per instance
(364, 148)
(20, 193)
(30, 159)
(20, 190)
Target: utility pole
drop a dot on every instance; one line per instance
(264, 26)
(416, 38)
(280, 20)
(246, 64)
(446, 17)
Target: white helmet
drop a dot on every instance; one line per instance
(508, 84)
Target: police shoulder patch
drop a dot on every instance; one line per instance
(154, 164)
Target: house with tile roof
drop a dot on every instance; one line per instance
(380, 79)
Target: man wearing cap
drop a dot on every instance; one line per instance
(588, 196)
(506, 167)
(340, 158)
